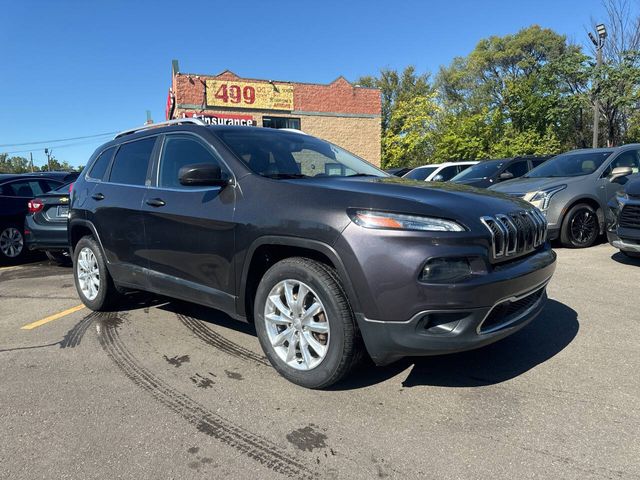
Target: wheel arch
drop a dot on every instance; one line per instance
(266, 251)
(79, 228)
(593, 202)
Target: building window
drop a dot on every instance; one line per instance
(281, 122)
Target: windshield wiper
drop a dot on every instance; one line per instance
(285, 175)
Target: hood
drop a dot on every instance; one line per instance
(524, 185)
(443, 199)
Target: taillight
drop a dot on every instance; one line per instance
(70, 188)
(35, 205)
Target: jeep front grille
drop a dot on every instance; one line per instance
(516, 233)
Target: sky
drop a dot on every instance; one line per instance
(81, 68)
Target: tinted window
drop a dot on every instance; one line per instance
(447, 173)
(538, 161)
(480, 170)
(66, 188)
(420, 173)
(281, 154)
(570, 165)
(281, 122)
(131, 162)
(23, 188)
(100, 165)
(48, 185)
(625, 159)
(178, 151)
(517, 169)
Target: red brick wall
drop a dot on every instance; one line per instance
(337, 97)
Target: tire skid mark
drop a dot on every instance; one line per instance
(204, 333)
(74, 336)
(250, 444)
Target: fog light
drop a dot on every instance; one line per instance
(445, 270)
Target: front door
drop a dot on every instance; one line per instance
(607, 189)
(190, 230)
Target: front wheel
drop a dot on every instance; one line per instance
(11, 242)
(93, 281)
(305, 324)
(580, 228)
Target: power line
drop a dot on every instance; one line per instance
(58, 140)
(73, 144)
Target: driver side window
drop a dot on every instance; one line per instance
(178, 151)
(629, 158)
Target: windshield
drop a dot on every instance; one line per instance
(570, 165)
(281, 154)
(479, 170)
(420, 173)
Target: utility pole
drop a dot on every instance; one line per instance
(599, 43)
(31, 160)
(48, 153)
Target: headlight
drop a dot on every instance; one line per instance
(398, 221)
(541, 198)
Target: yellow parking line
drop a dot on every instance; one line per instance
(6, 269)
(51, 318)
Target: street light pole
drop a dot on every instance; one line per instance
(599, 43)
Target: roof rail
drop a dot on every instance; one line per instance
(176, 121)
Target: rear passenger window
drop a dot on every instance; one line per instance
(48, 185)
(132, 161)
(448, 173)
(518, 168)
(178, 151)
(100, 165)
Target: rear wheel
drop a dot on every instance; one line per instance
(580, 228)
(11, 242)
(93, 281)
(305, 324)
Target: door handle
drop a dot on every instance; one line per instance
(156, 202)
(97, 196)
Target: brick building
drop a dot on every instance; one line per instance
(345, 114)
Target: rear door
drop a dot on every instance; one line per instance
(189, 229)
(115, 208)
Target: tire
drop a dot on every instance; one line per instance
(58, 257)
(317, 369)
(12, 246)
(88, 257)
(580, 227)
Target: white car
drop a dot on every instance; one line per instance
(438, 172)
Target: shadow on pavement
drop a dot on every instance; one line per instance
(539, 341)
(625, 260)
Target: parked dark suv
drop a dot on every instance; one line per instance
(325, 253)
(491, 172)
(623, 231)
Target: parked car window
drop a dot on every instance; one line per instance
(100, 165)
(462, 168)
(625, 159)
(537, 161)
(178, 151)
(480, 170)
(281, 154)
(23, 188)
(65, 188)
(517, 169)
(570, 165)
(48, 185)
(420, 173)
(447, 173)
(132, 161)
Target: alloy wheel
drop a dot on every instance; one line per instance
(88, 273)
(11, 242)
(584, 226)
(297, 324)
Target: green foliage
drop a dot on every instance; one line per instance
(23, 165)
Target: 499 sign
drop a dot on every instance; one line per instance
(259, 95)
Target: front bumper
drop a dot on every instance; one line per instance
(626, 243)
(441, 332)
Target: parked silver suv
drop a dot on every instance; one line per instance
(573, 189)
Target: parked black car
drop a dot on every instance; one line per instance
(15, 192)
(45, 226)
(247, 220)
(490, 172)
(624, 231)
(398, 171)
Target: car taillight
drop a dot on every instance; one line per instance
(35, 205)
(70, 188)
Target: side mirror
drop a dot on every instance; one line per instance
(506, 176)
(203, 175)
(620, 172)
(438, 178)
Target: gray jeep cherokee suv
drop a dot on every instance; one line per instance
(325, 253)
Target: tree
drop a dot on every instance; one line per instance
(13, 164)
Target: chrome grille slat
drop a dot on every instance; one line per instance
(516, 233)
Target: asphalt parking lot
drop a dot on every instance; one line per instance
(164, 389)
